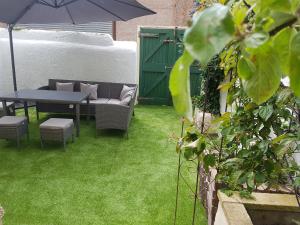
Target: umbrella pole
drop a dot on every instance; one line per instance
(12, 55)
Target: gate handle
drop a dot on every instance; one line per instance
(168, 67)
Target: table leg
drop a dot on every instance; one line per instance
(89, 109)
(26, 110)
(5, 112)
(77, 106)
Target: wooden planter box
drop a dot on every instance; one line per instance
(265, 208)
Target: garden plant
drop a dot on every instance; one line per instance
(257, 43)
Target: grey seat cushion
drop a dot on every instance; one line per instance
(57, 123)
(114, 101)
(90, 89)
(97, 101)
(12, 121)
(64, 86)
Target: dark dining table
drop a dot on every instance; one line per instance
(46, 96)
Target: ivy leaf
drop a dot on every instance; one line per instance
(256, 39)
(284, 96)
(260, 178)
(264, 82)
(281, 43)
(277, 19)
(209, 161)
(282, 6)
(179, 85)
(265, 112)
(295, 5)
(297, 182)
(239, 12)
(295, 64)
(250, 180)
(246, 68)
(236, 175)
(188, 153)
(281, 150)
(211, 30)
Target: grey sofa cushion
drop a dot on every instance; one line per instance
(90, 89)
(64, 86)
(126, 92)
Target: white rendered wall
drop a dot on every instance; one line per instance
(41, 55)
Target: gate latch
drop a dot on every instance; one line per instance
(168, 41)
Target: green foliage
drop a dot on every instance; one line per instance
(212, 77)
(212, 29)
(262, 35)
(180, 85)
(295, 64)
(259, 141)
(282, 46)
(258, 44)
(258, 144)
(264, 77)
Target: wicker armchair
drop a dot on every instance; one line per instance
(114, 116)
(110, 116)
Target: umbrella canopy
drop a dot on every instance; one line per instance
(69, 11)
(14, 12)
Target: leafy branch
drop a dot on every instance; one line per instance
(258, 45)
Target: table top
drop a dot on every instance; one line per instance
(45, 96)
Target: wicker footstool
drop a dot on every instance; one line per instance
(13, 128)
(57, 129)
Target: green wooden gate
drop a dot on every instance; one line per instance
(159, 50)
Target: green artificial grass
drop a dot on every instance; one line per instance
(108, 180)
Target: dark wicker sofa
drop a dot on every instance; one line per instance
(109, 114)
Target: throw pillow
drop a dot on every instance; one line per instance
(64, 86)
(90, 89)
(127, 91)
(126, 101)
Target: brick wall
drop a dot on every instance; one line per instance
(169, 13)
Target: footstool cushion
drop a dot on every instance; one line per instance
(56, 129)
(57, 123)
(13, 127)
(12, 121)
